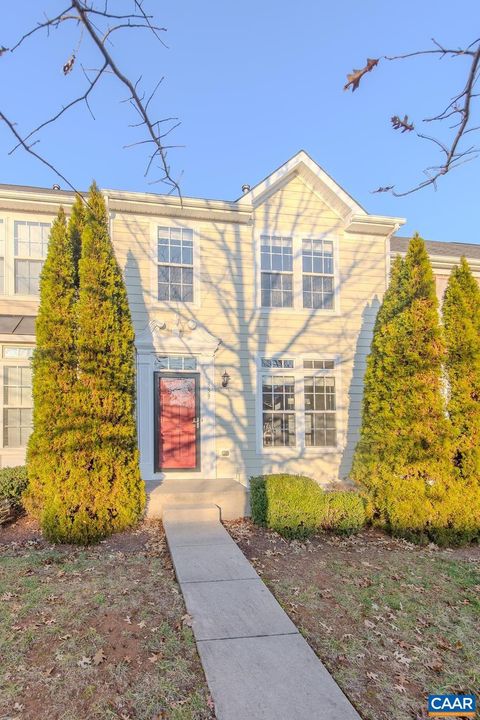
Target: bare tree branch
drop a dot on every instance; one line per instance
(459, 108)
(99, 24)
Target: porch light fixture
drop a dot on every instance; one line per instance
(225, 379)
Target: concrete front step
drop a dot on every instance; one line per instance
(230, 497)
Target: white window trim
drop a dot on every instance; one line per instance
(297, 273)
(175, 305)
(299, 372)
(9, 219)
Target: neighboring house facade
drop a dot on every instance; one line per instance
(253, 320)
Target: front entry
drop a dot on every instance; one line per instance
(177, 435)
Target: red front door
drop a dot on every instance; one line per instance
(177, 425)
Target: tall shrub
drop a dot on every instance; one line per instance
(54, 370)
(461, 318)
(104, 492)
(403, 458)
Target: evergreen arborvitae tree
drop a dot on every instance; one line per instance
(403, 458)
(54, 370)
(461, 318)
(104, 492)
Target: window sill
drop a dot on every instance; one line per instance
(298, 311)
(300, 451)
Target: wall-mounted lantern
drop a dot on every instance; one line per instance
(225, 379)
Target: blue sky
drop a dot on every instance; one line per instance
(253, 82)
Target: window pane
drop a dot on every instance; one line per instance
(27, 274)
(320, 418)
(31, 239)
(175, 251)
(317, 258)
(13, 351)
(278, 396)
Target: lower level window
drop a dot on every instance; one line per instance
(17, 405)
(320, 407)
(299, 408)
(278, 397)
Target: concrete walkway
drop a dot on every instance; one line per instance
(257, 665)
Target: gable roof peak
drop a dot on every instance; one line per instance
(303, 165)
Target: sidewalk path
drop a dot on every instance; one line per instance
(257, 665)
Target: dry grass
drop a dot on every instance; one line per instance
(95, 633)
(391, 621)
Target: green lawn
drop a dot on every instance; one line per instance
(96, 633)
(392, 622)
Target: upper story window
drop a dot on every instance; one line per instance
(317, 269)
(276, 271)
(30, 242)
(175, 264)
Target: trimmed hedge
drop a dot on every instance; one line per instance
(297, 507)
(13, 483)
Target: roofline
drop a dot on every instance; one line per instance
(57, 197)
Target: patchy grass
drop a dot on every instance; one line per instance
(95, 633)
(392, 622)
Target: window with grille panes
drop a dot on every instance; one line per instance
(320, 411)
(278, 402)
(2, 257)
(30, 241)
(276, 271)
(318, 274)
(17, 398)
(175, 264)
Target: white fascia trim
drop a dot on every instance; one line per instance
(254, 196)
(374, 224)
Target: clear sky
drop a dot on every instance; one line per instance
(252, 83)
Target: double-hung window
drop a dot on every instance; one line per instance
(298, 402)
(276, 271)
(318, 277)
(2, 257)
(278, 400)
(320, 411)
(175, 264)
(17, 396)
(30, 242)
